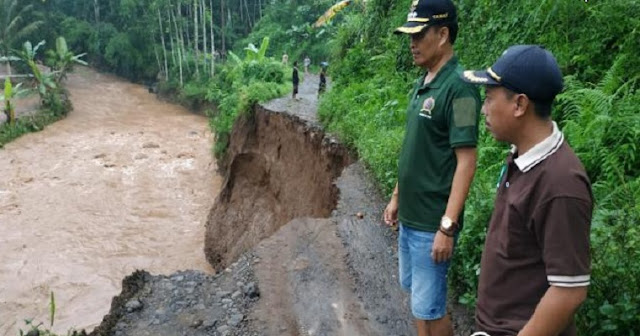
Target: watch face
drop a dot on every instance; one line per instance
(446, 223)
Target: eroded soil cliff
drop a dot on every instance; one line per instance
(278, 168)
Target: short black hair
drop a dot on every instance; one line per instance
(295, 63)
(453, 29)
(542, 109)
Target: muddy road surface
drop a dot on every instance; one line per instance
(125, 182)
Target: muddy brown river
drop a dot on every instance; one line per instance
(125, 182)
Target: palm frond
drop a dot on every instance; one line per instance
(331, 12)
(30, 28)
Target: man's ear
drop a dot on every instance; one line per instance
(522, 104)
(443, 35)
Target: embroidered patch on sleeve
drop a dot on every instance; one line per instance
(464, 112)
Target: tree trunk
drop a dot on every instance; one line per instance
(213, 40)
(171, 42)
(222, 27)
(96, 11)
(196, 29)
(185, 25)
(204, 34)
(155, 51)
(246, 7)
(180, 48)
(184, 45)
(164, 47)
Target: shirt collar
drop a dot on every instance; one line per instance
(540, 151)
(440, 76)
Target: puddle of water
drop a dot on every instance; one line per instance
(125, 182)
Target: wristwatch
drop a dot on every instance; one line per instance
(448, 226)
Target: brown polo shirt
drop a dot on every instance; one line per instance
(538, 236)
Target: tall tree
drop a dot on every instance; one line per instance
(181, 33)
(180, 43)
(13, 27)
(196, 29)
(164, 47)
(96, 11)
(213, 42)
(222, 27)
(204, 33)
(171, 38)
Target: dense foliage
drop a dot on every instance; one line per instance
(237, 86)
(128, 36)
(54, 103)
(46, 116)
(289, 26)
(596, 44)
(182, 43)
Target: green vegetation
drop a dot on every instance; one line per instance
(61, 60)
(53, 96)
(297, 37)
(237, 85)
(144, 40)
(184, 44)
(14, 25)
(9, 132)
(596, 44)
(242, 83)
(38, 329)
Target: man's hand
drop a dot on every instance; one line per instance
(442, 248)
(390, 215)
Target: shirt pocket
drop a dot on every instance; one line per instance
(520, 242)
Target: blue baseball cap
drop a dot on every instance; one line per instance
(528, 69)
(424, 13)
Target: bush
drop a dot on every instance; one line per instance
(236, 88)
(288, 26)
(56, 105)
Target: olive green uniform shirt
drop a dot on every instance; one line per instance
(442, 115)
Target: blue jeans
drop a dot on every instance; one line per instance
(420, 276)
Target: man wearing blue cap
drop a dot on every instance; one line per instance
(535, 265)
(436, 164)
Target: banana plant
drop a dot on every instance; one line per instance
(10, 92)
(44, 81)
(61, 60)
(255, 54)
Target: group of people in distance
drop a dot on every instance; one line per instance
(295, 77)
(535, 266)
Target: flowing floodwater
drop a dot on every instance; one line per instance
(125, 182)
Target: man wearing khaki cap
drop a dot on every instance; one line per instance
(436, 165)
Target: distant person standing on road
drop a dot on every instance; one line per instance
(323, 81)
(436, 166)
(295, 79)
(285, 59)
(307, 62)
